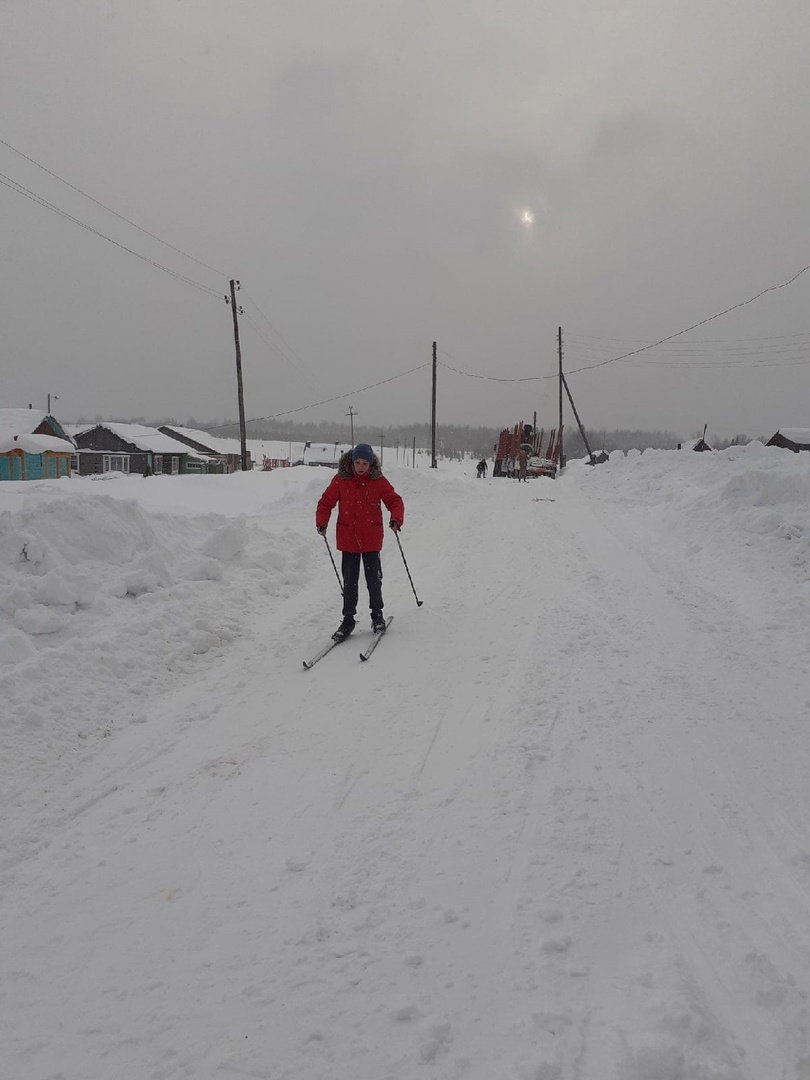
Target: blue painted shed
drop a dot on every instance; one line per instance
(33, 446)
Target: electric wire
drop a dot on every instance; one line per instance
(643, 348)
(694, 326)
(275, 349)
(494, 378)
(577, 336)
(13, 185)
(287, 352)
(109, 210)
(326, 401)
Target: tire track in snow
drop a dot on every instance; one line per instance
(743, 957)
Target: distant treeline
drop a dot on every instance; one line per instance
(453, 440)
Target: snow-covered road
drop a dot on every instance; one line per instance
(557, 829)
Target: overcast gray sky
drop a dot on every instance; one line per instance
(380, 175)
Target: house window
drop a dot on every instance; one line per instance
(157, 464)
(116, 463)
(175, 465)
(74, 463)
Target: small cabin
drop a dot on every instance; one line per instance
(33, 446)
(695, 444)
(223, 458)
(794, 439)
(327, 455)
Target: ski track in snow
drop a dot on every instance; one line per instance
(556, 829)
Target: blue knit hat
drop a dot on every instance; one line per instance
(363, 451)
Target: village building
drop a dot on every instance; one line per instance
(700, 445)
(794, 439)
(325, 454)
(33, 446)
(225, 455)
(136, 449)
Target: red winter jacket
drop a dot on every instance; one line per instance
(360, 516)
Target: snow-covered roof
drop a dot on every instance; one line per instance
(146, 438)
(325, 453)
(215, 442)
(20, 421)
(795, 435)
(35, 444)
(284, 449)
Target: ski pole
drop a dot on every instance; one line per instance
(337, 575)
(402, 553)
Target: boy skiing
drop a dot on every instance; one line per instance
(359, 487)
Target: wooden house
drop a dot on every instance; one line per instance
(327, 455)
(227, 453)
(700, 445)
(794, 439)
(33, 446)
(134, 448)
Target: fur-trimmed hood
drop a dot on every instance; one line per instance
(346, 469)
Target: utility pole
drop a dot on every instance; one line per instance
(55, 398)
(433, 414)
(234, 310)
(351, 415)
(561, 462)
(579, 423)
(382, 444)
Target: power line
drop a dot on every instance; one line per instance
(703, 322)
(294, 360)
(729, 348)
(686, 354)
(274, 349)
(19, 189)
(327, 401)
(496, 378)
(575, 336)
(641, 349)
(703, 364)
(39, 165)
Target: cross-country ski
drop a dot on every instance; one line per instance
(378, 636)
(322, 653)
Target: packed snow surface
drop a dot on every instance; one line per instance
(558, 828)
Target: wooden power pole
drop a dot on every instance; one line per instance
(433, 464)
(351, 415)
(234, 310)
(561, 460)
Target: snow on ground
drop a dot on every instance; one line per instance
(558, 828)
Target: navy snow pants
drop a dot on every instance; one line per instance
(350, 566)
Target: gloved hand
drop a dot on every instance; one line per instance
(321, 530)
(395, 525)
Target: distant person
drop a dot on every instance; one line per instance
(523, 464)
(359, 486)
(481, 468)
